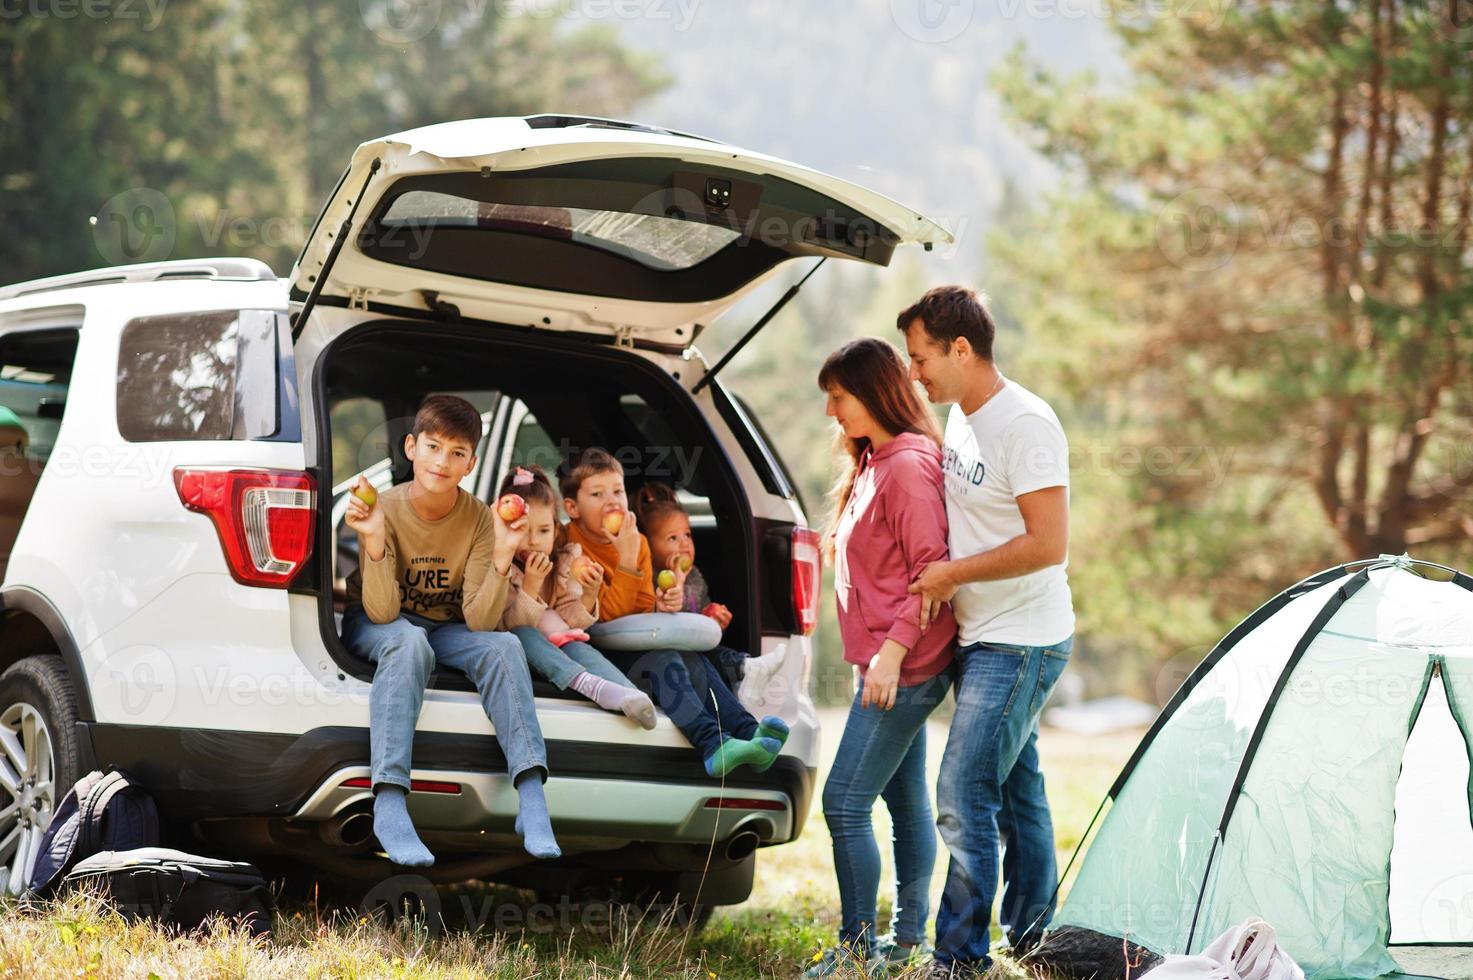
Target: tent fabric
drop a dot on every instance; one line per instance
(1273, 785)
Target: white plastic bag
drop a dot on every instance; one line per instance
(1248, 952)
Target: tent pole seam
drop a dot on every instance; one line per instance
(1331, 607)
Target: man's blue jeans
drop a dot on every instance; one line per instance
(691, 692)
(991, 786)
(883, 753)
(405, 651)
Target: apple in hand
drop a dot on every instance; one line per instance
(367, 494)
(613, 521)
(665, 580)
(511, 506)
(580, 566)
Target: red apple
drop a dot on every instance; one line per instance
(511, 506)
(580, 566)
(665, 580)
(613, 521)
(367, 494)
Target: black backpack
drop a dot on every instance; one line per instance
(102, 812)
(182, 891)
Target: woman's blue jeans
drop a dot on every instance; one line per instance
(883, 753)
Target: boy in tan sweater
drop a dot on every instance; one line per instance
(431, 586)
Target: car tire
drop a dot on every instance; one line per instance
(40, 759)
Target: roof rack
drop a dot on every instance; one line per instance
(225, 268)
(552, 120)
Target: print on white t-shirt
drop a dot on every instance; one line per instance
(1010, 446)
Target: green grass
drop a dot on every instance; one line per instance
(791, 915)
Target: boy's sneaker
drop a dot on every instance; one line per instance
(836, 958)
(937, 970)
(889, 957)
(757, 671)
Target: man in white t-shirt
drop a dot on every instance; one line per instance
(1006, 466)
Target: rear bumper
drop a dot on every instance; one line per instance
(613, 792)
(602, 812)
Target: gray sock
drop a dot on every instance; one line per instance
(533, 823)
(394, 829)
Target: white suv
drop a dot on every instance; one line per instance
(176, 439)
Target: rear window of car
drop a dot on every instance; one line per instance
(646, 228)
(652, 240)
(214, 375)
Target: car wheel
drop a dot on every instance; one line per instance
(40, 759)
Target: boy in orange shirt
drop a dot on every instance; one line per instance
(705, 711)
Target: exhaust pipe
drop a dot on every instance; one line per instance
(348, 830)
(740, 845)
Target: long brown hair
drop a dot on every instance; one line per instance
(871, 370)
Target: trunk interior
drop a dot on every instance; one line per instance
(542, 398)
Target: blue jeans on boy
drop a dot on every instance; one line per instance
(405, 651)
(991, 787)
(692, 694)
(883, 753)
(561, 664)
(730, 662)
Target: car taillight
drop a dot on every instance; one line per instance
(807, 579)
(415, 785)
(743, 803)
(264, 518)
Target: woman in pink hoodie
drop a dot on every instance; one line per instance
(889, 522)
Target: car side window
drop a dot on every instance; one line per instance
(360, 436)
(532, 446)
(35, 373)
(665, 458)
(217, 375)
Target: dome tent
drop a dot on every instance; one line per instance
(1313, 770)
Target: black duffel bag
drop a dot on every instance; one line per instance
(179, 890)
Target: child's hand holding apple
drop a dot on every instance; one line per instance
(367, 518)
(509, 517)
(623, 532)
(535, 570)
(718, 612)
